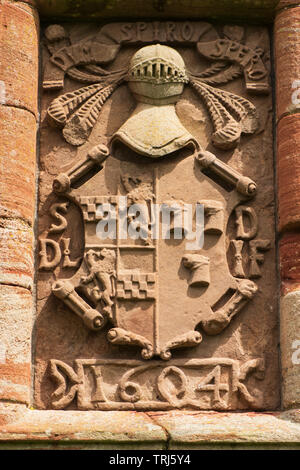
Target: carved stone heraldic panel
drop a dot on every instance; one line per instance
(156, 254)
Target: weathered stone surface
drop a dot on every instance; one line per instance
(289, 252)
(22, 427)
(16, 248)
(30, 2)
(291, 415)
(17, 163)
(9, 412)
(19, 30)
(15, 337)
(197, 430)
(260, 10)
(105, 430)
(288, 170)
(287, 3)
(290, 349)
(16, 324)
(151, 323)
(15, 382)
(287, 65)
(140, 431)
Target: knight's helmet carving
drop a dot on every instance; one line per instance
(156, 78)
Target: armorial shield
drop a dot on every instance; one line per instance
(157, 291)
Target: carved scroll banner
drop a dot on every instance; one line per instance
(156, 253)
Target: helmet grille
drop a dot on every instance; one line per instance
(157, 70)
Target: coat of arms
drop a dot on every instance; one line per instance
(154, 271)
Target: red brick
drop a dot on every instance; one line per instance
(289, 255)
(287, 3)
(15, 382)
(288, 166)
(19, 33)
(16, 246)
(16, 316)
(15, 343)
(17, 163)
(287, 64)
(29, 2)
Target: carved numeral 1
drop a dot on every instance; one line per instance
(98, 394)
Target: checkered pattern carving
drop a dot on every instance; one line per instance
(136, 286)
(89, 206)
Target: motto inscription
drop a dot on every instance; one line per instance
(156, 219)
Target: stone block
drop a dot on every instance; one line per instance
(29, 2)
(198, 430)
(261, 10)
(15, 335)
(19, 29)
(153, 323)
(289, 252)
(17, 163)
(108, 430)
(290, 349)
(287, 65)
(288, 164)
(140, 431)
(287, 4)
(16, 245)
